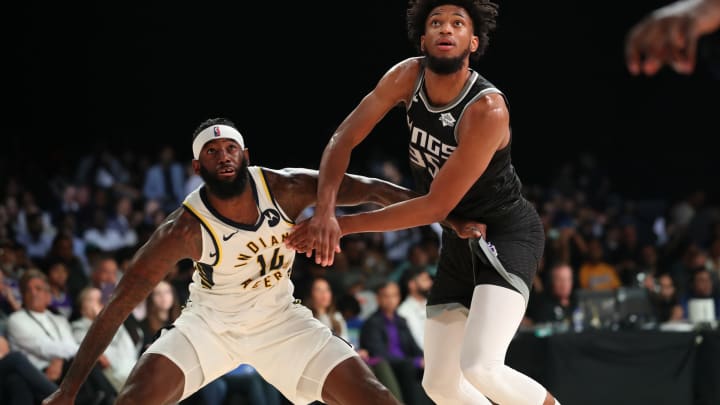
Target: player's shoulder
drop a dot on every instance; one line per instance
(408, 67)
(289, 178)
(287, 174)
(181, 222)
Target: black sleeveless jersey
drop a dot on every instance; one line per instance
(433, 139)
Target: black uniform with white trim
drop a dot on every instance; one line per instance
(496, 199)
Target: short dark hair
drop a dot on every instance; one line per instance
(31, 274)
(210, 122)
(482, 13)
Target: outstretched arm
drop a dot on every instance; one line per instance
(669, 36)
(354, 190)
(394, 87)
(173, 240)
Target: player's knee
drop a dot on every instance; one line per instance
(483, 375)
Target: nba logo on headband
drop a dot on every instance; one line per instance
(216, 132)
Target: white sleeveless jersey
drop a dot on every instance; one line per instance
(243, 274)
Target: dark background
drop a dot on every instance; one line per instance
(138, 74)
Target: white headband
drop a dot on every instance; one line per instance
(215, 132)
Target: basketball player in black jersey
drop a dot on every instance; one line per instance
(460, 156)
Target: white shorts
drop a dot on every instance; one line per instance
(294, 351)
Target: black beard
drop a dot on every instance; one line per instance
(424, 293)
(226, 189)
(445, 66)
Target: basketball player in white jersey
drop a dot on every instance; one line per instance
(241, 307)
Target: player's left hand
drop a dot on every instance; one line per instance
(468, 229)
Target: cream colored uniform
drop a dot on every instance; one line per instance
(241, 307)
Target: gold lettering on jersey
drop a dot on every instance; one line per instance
(256, 246)
(243, 259)
(267, 281)
(273, 241)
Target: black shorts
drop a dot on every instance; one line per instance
(518, 239)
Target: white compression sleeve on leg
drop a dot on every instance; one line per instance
(443, 380)
(495, 315)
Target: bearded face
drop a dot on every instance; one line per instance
(225, 188)
(446, 65)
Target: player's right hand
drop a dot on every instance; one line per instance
(320, 234)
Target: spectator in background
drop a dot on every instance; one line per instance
(108, 239)
(322, 304)
(20, 382)
(105, 275)
(431, 245)
(67, 203)
(416, 285)
(47, 339)
(68, 225)
(100, 168)
(665, 301)
(61, 302)
(62, 251)
(417, 259)
(120, 356)
(684, 263)
(713, 261)
(162, 308)
(349, 308)
(648, 267)
(386, 335)
(558, 302)
(192, 179)
(595, 273)
(165, 180)
(701, 286)
(38, 238)
(121, 221)
(10, 297)
(626, 255)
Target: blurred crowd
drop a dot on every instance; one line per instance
(64, 245)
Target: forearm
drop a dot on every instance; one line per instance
(101, 332)
(406, 214)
